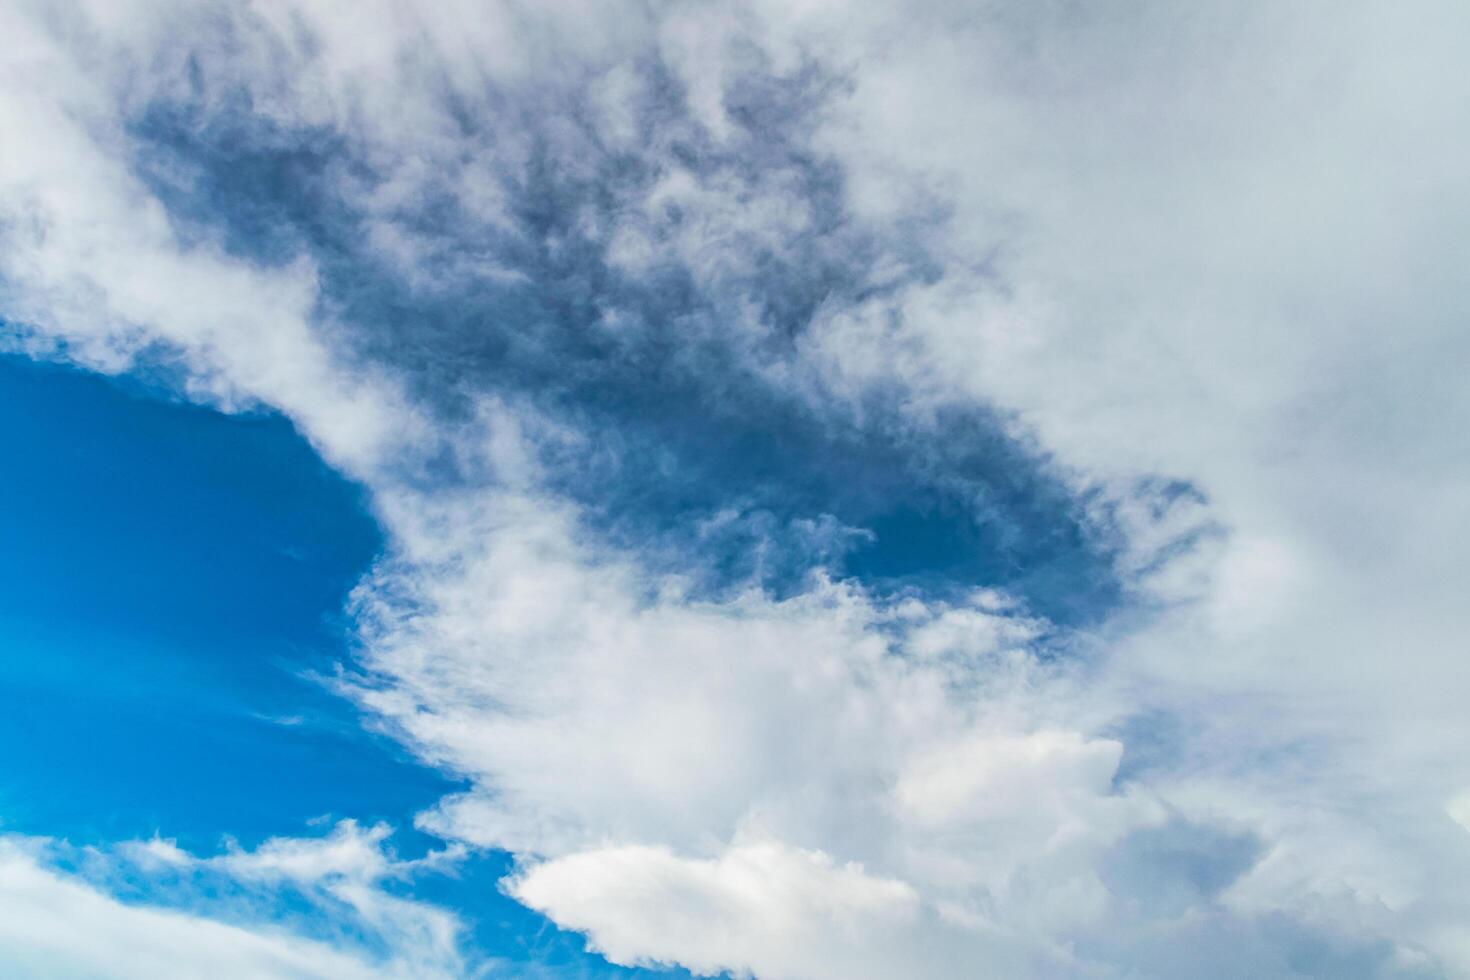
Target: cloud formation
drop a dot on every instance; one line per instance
(972, 490)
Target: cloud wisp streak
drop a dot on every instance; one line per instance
(219, 916)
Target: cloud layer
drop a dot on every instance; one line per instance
(972, 491)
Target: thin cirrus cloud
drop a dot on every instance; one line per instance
(966, 492)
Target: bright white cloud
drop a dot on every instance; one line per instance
(756, 907)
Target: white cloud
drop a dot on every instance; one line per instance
(1224, 242)
(61, 924)
(1005, 778)
(760, 907)
(92, 261)
(1213, 243)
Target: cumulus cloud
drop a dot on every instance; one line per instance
(1223, 244)
(1166, 295)
(723, 913)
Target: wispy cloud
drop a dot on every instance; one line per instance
(76, 912)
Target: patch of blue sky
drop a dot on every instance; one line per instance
(170, 580)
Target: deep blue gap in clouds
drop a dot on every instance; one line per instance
(678, 426)
(166, 574)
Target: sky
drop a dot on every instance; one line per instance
(795, 491)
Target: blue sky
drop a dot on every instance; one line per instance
(173, 579)
(174, 582)
(733, 490)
